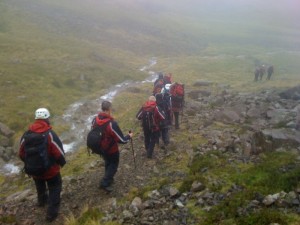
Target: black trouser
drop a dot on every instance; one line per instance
(176, 117)
(52, 196)
(111, 168)
(165, 135)
(151, 137)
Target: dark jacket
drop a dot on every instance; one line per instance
(164, 105)
(55, 148)
(112, 134)
(158, 113)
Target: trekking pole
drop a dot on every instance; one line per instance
(133, 154)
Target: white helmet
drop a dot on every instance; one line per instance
(42, 113)
(167, 86)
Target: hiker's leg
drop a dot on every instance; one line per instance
(41, 191)
(157, 139)
(165, 135)
(147, 138)
(55, 187)
(154, 136)
(176, 115)
(169, 118)
(110, 171)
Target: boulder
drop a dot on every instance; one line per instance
(4, 130)
(272, 139)
(292, 93)
(227, 116)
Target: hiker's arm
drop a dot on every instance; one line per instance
(56, 149)
(21, 149)
(160, 113)
(118, 134)
(139, 114)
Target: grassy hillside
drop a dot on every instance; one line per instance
(75, 49)
(55, 52)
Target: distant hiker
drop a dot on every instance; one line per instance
(158, 84)
(177, 101)
(256, 73)
(112, 135)
(150, 115)
(167, 78)
(42, 153)
(262, 71)
(270, 72)
(163, 124)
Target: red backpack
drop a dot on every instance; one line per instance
(177, 90)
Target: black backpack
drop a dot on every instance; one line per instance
(37, 160)
(148, 118)
(94, 138)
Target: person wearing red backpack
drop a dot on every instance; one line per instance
(150, 115)
(177, 100)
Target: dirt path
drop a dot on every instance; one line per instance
(81, 191)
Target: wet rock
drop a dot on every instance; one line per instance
(270, 199)
(4, 130)
(178, 203)
(226, 116)
(279, 116)
(127, 215)
(197, 186)
(4, 141)
(292, 93)
(137, 202)
(173, 192)
(21, 195)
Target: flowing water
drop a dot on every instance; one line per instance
(80, 114)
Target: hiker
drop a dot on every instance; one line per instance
(256, 74)
(270, 71)
(158, 84)
(163, 124)
(167, 78)
(262, 71)
(40, 137)
(150, 115)
(177, 101)
(111, 137)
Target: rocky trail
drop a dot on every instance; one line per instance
(240, 125)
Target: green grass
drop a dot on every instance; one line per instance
(59, 53)
(253, 178)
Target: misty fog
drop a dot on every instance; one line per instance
(151, 27)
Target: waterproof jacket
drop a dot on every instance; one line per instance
(112, 134)
(163, 103)
(55, 148)
(158, 113)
